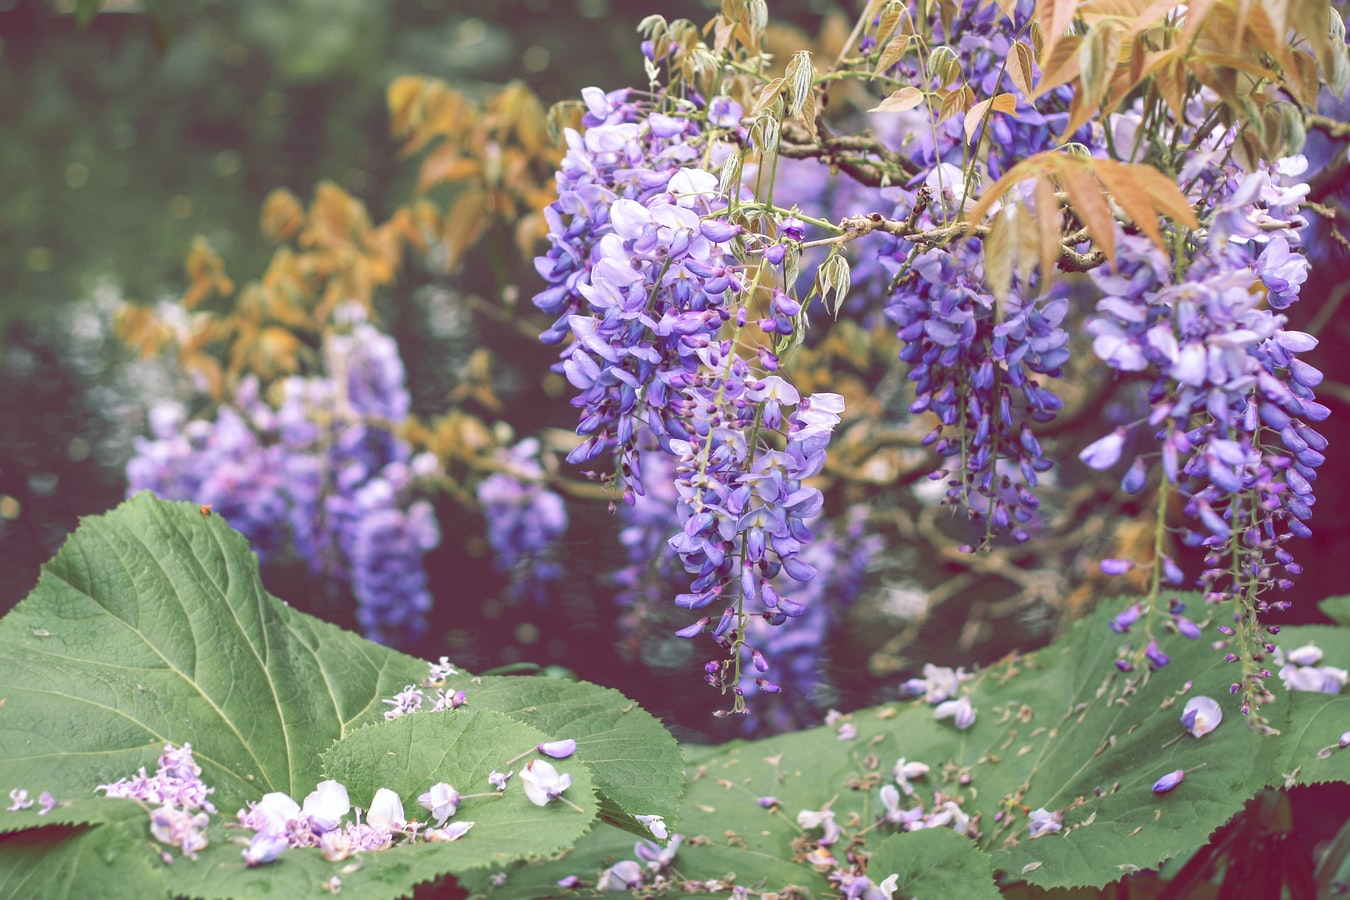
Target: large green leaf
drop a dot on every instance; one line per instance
(461, 748)
(408, 756)
(1310, 745)
(637, 765)
(114, 861)
(934, 862)
(1062, 729)
(151, 626)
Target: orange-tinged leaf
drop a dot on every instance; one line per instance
(1087, 202)
(1021, 67)
(400, 96)
(1133, 200)
(1099, 56)
(1061, 67)
(1034, 166)
(1167, 198)
(907, 97)
(1055, 17)
(998, 253)
(443, 165)
(889, 23)
(464, 224)
(1047, 219)
(282, 215)
(767, 95)
(1229, 61)
(1138, 15)
(896, 48)
(955, 101)
(1197, 13)
(1304, 81)
(206, 274)
(141, 330)
(276, 351)
(1004, 103)
(1170, 75)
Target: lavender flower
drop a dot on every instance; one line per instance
(558, 749)
(1201, 715)
(543, 783)
(1042, 822)
(1169, 781)
(441, 801)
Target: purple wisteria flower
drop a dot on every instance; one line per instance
(1041, 822)
(1232, 404)
(543, 783)
(320, 477)
(1201, 715)
(441, 801)
(525, 522)
(1169, 781)
(969, 356)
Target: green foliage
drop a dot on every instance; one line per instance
(933, 863)
(637, 765)
(1060, 729)
(151, 627)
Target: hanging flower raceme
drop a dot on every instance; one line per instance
(975, 364)
(1232, 402)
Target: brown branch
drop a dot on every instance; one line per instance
(863, 158)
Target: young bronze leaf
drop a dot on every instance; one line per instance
(956, 101)
(998, 250)
(889, 22)
(768, 94)
(1088, 203)
(1005, 103)
(1303, 81)
(905, 98)
(1167, 198)
(1196, 15)
(1099, 56)
(1130, 196)
(1026, 246)
(897, 48)
(1021, 65)
(1047, 225)
(1170, 75)
(1034, 166)
(1062, 67)
(1058, 14)
(1138, 15)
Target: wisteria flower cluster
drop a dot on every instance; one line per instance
(525, 521)
(974, 363)
(645, 280)
(320, 476)
(182, 808)
(1232, 404)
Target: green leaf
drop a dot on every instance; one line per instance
(151, 626)
(1082, 738)
(637, 765)
(411, 753)
(1337, 609)
(1062, 729)
(934, 862)
(1310, 745)
(114, 861)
